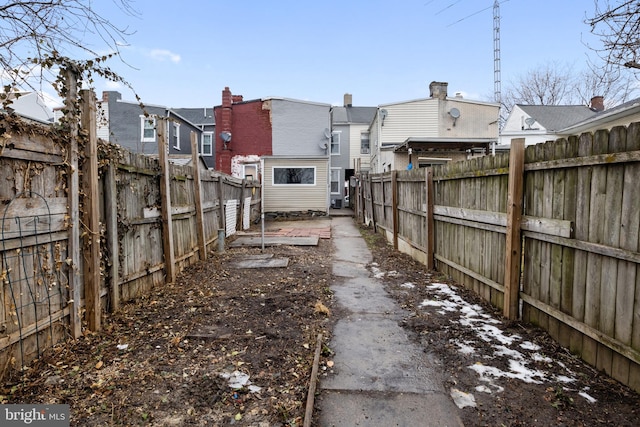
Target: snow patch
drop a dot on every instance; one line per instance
(586, 396)
(462, 399)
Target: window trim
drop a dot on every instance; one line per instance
(333, 143)
(202, 145)
(176, 136)
(331, 180)
(368, 134)
(273, 176)
(253, 166)
(143, 121)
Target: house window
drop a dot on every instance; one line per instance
(364, 143)
(250, 172)
(335, 143)
(294, 175)
(207, 144)
(148, 129)
(176, 136)
(335, 180)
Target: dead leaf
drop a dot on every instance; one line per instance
(320, 308)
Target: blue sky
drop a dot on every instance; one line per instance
(185, 53)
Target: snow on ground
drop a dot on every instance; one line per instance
(523, 357)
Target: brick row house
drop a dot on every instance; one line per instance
(285, 142)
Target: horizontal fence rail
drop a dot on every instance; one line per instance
(554, 230)
(81, 244)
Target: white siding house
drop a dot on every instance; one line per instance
(438, 127)
(296, 184)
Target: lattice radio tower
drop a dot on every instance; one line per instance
(497, 91)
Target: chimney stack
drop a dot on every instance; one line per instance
(438, 90)
(348, 100)
(597, 104)
(226, 112)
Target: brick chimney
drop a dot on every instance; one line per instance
(438, 90)
(225, 114)
(597, 104)
(348, 100)
(110, 94)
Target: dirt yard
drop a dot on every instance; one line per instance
(230, 346)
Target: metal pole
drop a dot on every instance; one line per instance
(262, 203)
(221, 240)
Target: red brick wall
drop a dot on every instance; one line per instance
(250, 125)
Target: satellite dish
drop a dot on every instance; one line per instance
(455, 113)
(323, 145)
(226, 136)
(529, 121)
(327, 133)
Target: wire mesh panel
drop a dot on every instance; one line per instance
(33, 262)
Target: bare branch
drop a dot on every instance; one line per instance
(32, 32)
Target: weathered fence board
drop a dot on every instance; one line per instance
(42, 258)
(580, 237)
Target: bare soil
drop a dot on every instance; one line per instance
(162, 360)
(182, 338)
(506, 401)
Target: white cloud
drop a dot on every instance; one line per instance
(111, 85)
(164, 55)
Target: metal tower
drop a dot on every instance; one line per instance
(497, 93)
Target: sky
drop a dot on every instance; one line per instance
(183, 54)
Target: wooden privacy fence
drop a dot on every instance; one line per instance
(86, 225)
(549, 234)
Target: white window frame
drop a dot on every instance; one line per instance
(176, 136)
(331, 180)
(368, 149)
(335, 143)
(143, 121)
(273, 176)
(210, 145)
(251, 166)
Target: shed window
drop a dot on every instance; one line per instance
(294, 175)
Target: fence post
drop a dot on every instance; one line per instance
(394, 206)
(428, 179)
(197, 186)
(111, 219)
(373, 208)
(91, 211)
(73, 248)
(513, 251)
(165, 194)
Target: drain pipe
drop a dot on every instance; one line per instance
(262, 204)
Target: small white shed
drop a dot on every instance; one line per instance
(293, 184)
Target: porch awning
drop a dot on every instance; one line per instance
(428, 144)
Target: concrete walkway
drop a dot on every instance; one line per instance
(380, 378)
